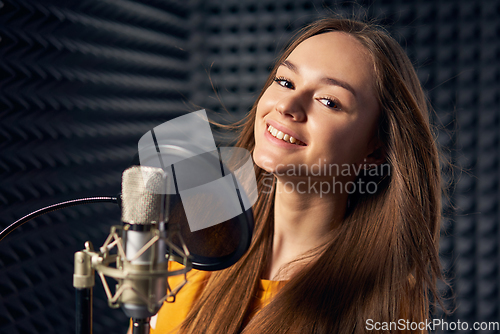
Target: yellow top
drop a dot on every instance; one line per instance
(171, 315)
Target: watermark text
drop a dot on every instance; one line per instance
(430, 325)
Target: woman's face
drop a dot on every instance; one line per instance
(324, 97)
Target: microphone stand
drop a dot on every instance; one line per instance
(83, 282)
(140, 326)
(84, 299)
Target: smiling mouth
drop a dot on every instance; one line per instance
(284, 136)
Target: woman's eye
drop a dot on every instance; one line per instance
(332, 104)
(284, 83)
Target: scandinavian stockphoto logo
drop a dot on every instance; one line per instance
(206, 178)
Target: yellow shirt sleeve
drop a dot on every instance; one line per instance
(171, 315)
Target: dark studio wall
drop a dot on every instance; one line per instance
(82, 81)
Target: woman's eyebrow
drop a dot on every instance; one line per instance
(327, 80)
(291, 66)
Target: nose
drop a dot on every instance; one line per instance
(292, 105)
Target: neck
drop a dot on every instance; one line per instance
(303, 221)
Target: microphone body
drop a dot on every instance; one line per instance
(143, 247)
(143, 214)
(209, 191)
(132, 299)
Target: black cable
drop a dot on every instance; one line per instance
(55, 207)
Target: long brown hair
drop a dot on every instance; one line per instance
(382, 262)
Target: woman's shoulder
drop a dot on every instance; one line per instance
(175, 310)
(192, 276)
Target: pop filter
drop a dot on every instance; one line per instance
(213, 241)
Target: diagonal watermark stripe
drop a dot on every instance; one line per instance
(206, 179)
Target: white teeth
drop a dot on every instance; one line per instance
(283, 136)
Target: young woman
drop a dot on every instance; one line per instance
(348, 215)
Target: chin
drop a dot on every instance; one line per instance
(263, 162)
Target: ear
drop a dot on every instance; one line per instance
(377, 155)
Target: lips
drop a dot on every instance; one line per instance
(284, 136)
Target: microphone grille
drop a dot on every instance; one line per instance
(142, 189)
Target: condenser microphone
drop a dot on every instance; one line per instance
(144, 211)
